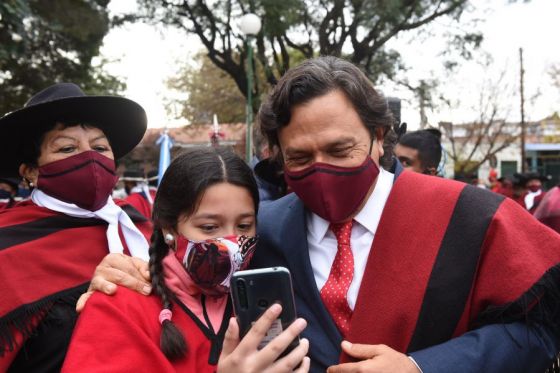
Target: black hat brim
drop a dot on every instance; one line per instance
(123, 121)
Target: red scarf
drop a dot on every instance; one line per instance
(426, 282)
(46, 256)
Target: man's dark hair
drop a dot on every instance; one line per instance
(428, 144)
(317, 77)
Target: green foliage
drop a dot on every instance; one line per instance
(354, 29)
(44, 42)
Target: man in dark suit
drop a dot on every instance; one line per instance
(427, 272)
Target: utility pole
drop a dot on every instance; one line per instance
(521, 73)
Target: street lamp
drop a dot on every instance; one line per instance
(250, 25)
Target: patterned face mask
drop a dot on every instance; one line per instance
(211, 263)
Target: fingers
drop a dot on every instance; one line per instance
(119, 269)
(132, 266)
(291, 361)
(142, 268)
(362, 351)
(305, 365)
(279, 344)
(82, 301)
(106, 280)
(257, 332)
(231, 339)
(345, 368)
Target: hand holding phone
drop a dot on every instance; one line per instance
(243, 356)
(254, 291)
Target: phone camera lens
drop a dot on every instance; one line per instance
(242, 291)
(262, 303)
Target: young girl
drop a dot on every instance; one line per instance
(204, 230)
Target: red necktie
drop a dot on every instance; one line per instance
(337, 285)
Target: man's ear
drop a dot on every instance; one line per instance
(29, 173)
(379, 138)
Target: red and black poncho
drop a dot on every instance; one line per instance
(46, 262)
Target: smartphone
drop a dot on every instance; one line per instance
(254, 291)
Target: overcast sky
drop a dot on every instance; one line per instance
(147, 57)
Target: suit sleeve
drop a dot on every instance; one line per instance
(113, 336)
(511, 348)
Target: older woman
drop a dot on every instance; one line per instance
(64, 144)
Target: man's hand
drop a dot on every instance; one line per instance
(375, 359)
(118, 269)
(244, 356)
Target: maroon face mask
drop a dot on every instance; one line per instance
(86, 179)
(332, 192)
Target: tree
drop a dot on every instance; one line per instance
(44, 42)
(424, 92)
(473, 143)
(210, 91)
(356, 29)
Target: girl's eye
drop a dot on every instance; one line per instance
(245, 226)
(207, 228)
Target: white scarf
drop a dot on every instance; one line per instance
(111, 213)
(530, 198)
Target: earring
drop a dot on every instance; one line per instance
(168, 238)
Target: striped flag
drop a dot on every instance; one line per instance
(165, 144)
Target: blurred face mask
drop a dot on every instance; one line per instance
(211, 263)
(85, 179)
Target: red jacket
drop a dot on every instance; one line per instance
(121, 333)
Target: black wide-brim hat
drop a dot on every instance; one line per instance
(525, 177)
(123, 121)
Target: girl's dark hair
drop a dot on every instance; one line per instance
(179, 194)
(316, 77)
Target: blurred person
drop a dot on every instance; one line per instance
(64, 144)
(504, 186)
(266, 169)
(494, 183)
(152, 177)
(8, 192)
(420, 151)
(548, 211)
(534, 190)
(131, 179)
(139, 194)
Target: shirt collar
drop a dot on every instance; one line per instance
(368, 216)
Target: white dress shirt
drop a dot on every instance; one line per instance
(323, 245)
